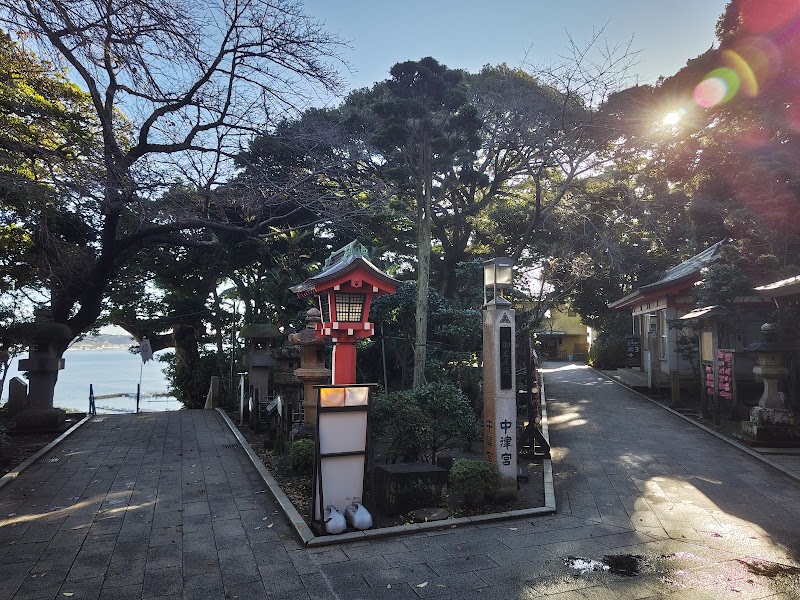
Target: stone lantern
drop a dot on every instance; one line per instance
(258, 361)
(43, 364)
(770, 421)
(312, 369)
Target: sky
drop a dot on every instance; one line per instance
(468, 34)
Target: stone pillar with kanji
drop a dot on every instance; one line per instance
(500, 394)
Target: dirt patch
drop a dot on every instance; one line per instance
(16, 448)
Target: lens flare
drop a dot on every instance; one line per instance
(758, 16)
(793, 116)
(749, 83)
(718, 87)
(748, 67)
(762, 57)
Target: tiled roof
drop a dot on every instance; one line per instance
(784, 287)
(687, 271)
(688, 267)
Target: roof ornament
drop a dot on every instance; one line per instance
(354, 249)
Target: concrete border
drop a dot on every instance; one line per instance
(547, 464)
(287, 507)
(783, 470)
(311, 540)
(13, 474)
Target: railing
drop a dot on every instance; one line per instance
(137, 397)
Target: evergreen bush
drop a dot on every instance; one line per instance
(475, 479)
(420, 423)
(303, 456)
(608, 352)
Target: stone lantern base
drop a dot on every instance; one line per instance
(301, 431)
(771, 425)
(40, 419)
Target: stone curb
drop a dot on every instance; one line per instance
(783, 470)
(311, 540)
(547, 464)
(287, 507)
(12, 475)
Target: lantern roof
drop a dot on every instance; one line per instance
(338, 268)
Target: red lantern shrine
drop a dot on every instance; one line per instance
(344, 289)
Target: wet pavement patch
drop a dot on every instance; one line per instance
(624, 565)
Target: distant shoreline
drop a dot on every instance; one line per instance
(113, 373)
(90, 346)
(105, 342)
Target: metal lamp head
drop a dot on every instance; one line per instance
(497, 275)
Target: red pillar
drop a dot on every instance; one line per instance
(344, 363)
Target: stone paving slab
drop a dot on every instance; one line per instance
(167, 506)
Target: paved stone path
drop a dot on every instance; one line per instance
(166, 506)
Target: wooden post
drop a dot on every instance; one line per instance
(675, 386)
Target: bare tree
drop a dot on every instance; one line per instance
(176, 87)
(576, 140)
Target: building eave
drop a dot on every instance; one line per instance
(779, 289)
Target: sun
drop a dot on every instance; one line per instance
(672, 118)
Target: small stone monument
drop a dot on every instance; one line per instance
(499, 376)
(287, 386)
(770, 421)
(312, 370)
(17, 396)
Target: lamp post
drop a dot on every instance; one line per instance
(344, 322)
(499, 385)
(344, 290)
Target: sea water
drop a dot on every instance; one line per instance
(110, 372)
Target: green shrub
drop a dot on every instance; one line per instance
(608, 352)
(475, 479)
(303, 456)
(420, 423)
